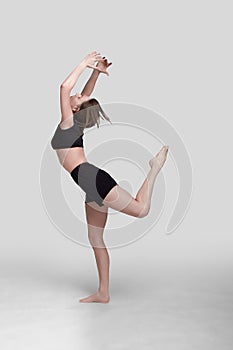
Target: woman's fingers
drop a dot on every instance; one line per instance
(97, 68)
(94, 67)
(94, 54)
(90, 66)
(98, 58)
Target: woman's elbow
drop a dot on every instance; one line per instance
(65, 86)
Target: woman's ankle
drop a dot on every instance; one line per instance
(103, 291)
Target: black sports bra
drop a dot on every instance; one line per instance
(68, 138)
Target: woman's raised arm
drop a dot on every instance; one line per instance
(101, 67)
(88, 61)
(71, 80)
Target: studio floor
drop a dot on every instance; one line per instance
(170, 307)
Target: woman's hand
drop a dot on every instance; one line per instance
(102, 65)
(91, 59)
(102, 62)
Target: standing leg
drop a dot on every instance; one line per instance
(96, 219)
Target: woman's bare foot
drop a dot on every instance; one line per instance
(97, 297)
(159, 159)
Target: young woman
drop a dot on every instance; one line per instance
(78, 112)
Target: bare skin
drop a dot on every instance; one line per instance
(120, 200)
(96, 220)
(70, 158)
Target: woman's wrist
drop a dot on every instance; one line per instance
(83, 64)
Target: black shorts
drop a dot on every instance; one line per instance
(95, 182)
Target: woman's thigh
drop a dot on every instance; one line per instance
(121, 200)
(96, 220)
(96, 215)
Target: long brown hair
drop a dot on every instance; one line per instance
(89, 114)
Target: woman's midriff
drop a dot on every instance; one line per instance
(71, 157)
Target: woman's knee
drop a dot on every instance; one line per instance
(95, 237)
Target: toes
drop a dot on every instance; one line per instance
(165, 148)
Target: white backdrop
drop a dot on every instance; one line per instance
(172, 57)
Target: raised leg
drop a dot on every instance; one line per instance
(121, 200)
(96, 219)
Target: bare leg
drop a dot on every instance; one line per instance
(121, 200)
(96, 219)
